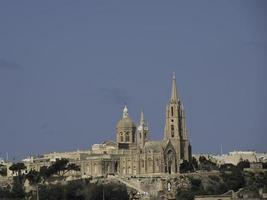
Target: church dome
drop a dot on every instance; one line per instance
(125, 121)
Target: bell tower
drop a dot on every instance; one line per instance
(142, 131)
(172, 125)
(175, 127)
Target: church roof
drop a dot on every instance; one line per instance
(125, 121)
(155, 146)
(109, 143)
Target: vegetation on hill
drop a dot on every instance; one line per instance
(219, 184)
(83, 190)
(230, 177)
(226, 177)
(73, 190)
(57, 169)
(202, 164)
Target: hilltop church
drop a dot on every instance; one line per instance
(134, 154)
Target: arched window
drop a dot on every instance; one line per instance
(142, 163)
(150, 165)
(172, 111)
(172, 130)
(127, 137)
(170, 159)
(121, 137)
(157, 164)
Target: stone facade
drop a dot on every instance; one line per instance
(133, 153)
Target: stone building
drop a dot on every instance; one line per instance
(133, 153)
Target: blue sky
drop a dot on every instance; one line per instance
(68, 67)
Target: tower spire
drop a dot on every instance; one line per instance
(174, 90)
(142, 118)
(142, 131)
(125, 112)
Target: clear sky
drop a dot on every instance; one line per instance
(68, 67)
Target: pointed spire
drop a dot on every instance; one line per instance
(142, 118)
(143, 124)
(174, 90)
(125, 112)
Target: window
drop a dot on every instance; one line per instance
(142, 163)
(172, 130)
(150, 165)
(121, 137)
(172, 111)
(127, 137)
(157, 164)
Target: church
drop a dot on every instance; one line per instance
(133, 153)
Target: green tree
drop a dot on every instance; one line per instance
(45, 172)
(186, 166)
(202, 159)
(17, 167)
(83, 190)
(243, 164)
(254, 181)
(183, 194)
(51, 192)
(33, 177)
(227, 167)
(3, 170)
(61, 167)
(194, 163)
(234, 180)
(205, 164)
(17, 191)
(71, 167)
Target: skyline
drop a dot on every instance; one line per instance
(67, 69)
